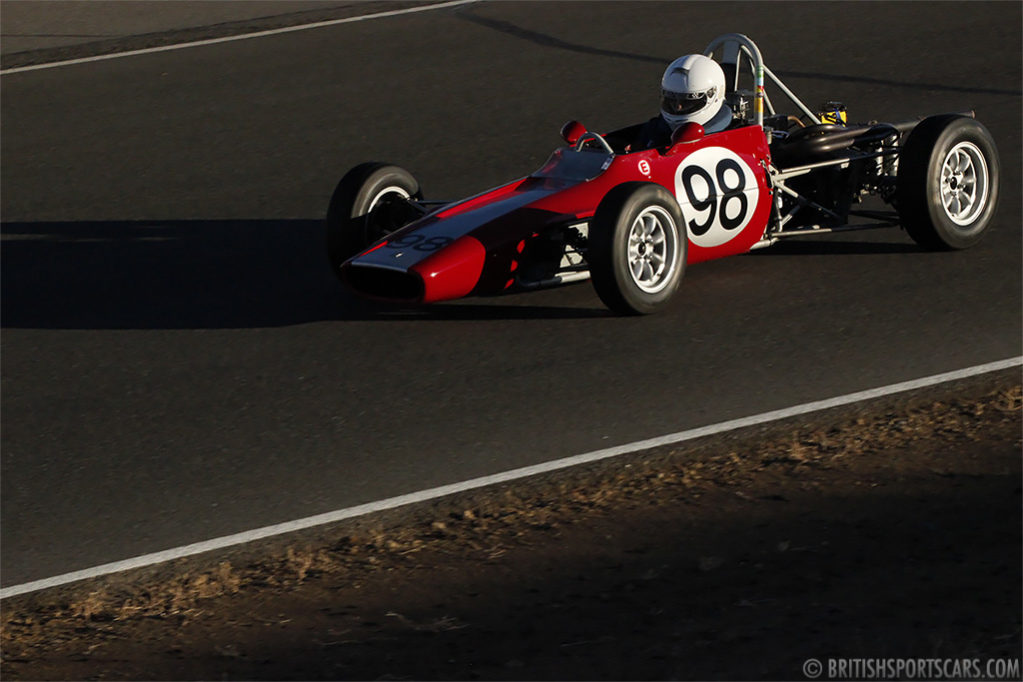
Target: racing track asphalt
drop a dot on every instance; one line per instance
(178, 363)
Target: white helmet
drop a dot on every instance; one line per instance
(692, 90)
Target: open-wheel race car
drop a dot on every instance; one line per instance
(630, 219)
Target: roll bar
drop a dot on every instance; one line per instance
(735, 45)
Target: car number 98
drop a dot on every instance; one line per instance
(718, 194)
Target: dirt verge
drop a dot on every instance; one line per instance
(894, 534)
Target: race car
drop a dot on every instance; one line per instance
(631, 220)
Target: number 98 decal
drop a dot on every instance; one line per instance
(718, 194)
(419, 242)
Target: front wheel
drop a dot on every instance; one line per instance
(637, 249)
(947, 185)
(371, 201)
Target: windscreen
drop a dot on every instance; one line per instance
(568, 164)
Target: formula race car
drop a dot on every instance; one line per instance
(631, 220)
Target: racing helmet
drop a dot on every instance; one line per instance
(692, 90)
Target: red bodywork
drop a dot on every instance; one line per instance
(479, 245)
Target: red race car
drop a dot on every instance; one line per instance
(630, 218)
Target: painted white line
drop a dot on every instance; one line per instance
(503, 477)
(244, 36)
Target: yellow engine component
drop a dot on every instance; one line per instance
(833, 113)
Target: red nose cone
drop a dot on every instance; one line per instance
(452, 272)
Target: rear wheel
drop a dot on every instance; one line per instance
(637, 251)
(371, 201)
(947, 187)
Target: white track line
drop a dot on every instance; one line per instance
(504, 477)
(244, 36)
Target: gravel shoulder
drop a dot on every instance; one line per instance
(894, 532)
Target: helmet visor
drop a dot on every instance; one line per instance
(682, 103)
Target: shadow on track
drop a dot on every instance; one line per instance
(202, 274)
(231, 274)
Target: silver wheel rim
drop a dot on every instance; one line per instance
(384, 192)
(964, 183)
(652, 249)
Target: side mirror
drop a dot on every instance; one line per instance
(689, 132)
(572, 131)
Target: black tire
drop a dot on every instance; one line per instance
(631, 281)
(941, 209)
(351, 226)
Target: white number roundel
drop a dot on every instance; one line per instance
(718, 194)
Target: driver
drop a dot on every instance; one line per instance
(692, 91)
